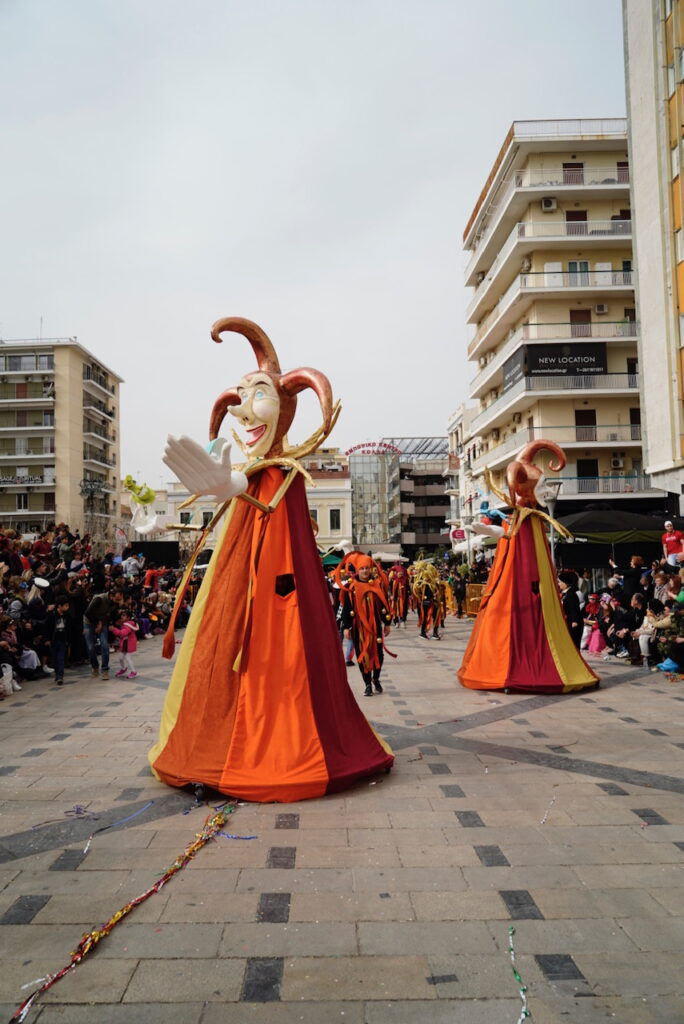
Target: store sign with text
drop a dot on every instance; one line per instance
(566, 360)
(514, 369)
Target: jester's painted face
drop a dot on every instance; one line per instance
(258, 412)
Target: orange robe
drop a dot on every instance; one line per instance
(259, 706)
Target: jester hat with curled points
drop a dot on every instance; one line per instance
(523, 477)
(287, 385)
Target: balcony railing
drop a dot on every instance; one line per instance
(549, 178)
(628, 329)
(12, 453)
(605, 435)
(90, 377)
(96, 456)
(604, 329)
(36, 428)
(573, 228)
(581, 382)
(549, 229)
(627, 484)
(90, 404)
(550, 280)
(95, 428)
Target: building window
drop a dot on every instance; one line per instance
(185, 518)
(206, 518)
(674, 161)
(313, 512)
(21, 362)
(22, 502)
(48, 419)
(335, 520)
(46, 362)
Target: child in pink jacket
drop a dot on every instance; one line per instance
(126, 629)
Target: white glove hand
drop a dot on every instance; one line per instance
(486, 529)
(201, 472)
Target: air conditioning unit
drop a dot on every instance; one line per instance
(493, 394)
(601, 308)
(517, 417)
(613, 437)
(549, 204)
(482, 362)
(480, 277)
(617, 463)
(526, 265)
(495, 435)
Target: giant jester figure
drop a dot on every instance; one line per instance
(259, 706)
(520, 640)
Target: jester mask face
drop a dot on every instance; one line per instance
(265, 400)
(258, 412)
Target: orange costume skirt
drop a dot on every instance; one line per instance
(520, 640)
(259, 706)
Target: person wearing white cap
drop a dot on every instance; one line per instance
(673, 544)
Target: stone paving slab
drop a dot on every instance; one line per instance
(563, 813)
(183, 981)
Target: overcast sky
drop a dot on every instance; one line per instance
(309, 164)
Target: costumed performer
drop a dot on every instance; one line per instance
(398, 594)
(259, 706)
(365, 615)
(426, 589)
(520, 640)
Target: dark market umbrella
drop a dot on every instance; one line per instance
(613, 526)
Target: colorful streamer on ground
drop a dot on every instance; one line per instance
(522, 989)
(211, 828)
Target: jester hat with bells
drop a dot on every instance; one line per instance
(287, 387)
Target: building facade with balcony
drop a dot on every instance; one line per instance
(654, 71)
(553, 312)
(59, 437)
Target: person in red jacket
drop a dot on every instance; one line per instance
(673, 544)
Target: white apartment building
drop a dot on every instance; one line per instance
(553, 311)
(654, 70)
(59, 437)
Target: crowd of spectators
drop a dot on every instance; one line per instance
(62, 606)
(637, 615)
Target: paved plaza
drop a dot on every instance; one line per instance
(391, 903)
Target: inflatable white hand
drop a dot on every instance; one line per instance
(201, 472)
(485, 529)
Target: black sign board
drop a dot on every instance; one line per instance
(562, 360)
(514, 368)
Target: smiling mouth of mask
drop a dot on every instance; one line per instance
(255, 433)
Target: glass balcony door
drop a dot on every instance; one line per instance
(578, 273)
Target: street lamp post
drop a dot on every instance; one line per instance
(90, 488)
(552, 490)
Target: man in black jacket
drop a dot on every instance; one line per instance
(573, 614)
(97, 617)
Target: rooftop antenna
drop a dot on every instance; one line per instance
(40, 330)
